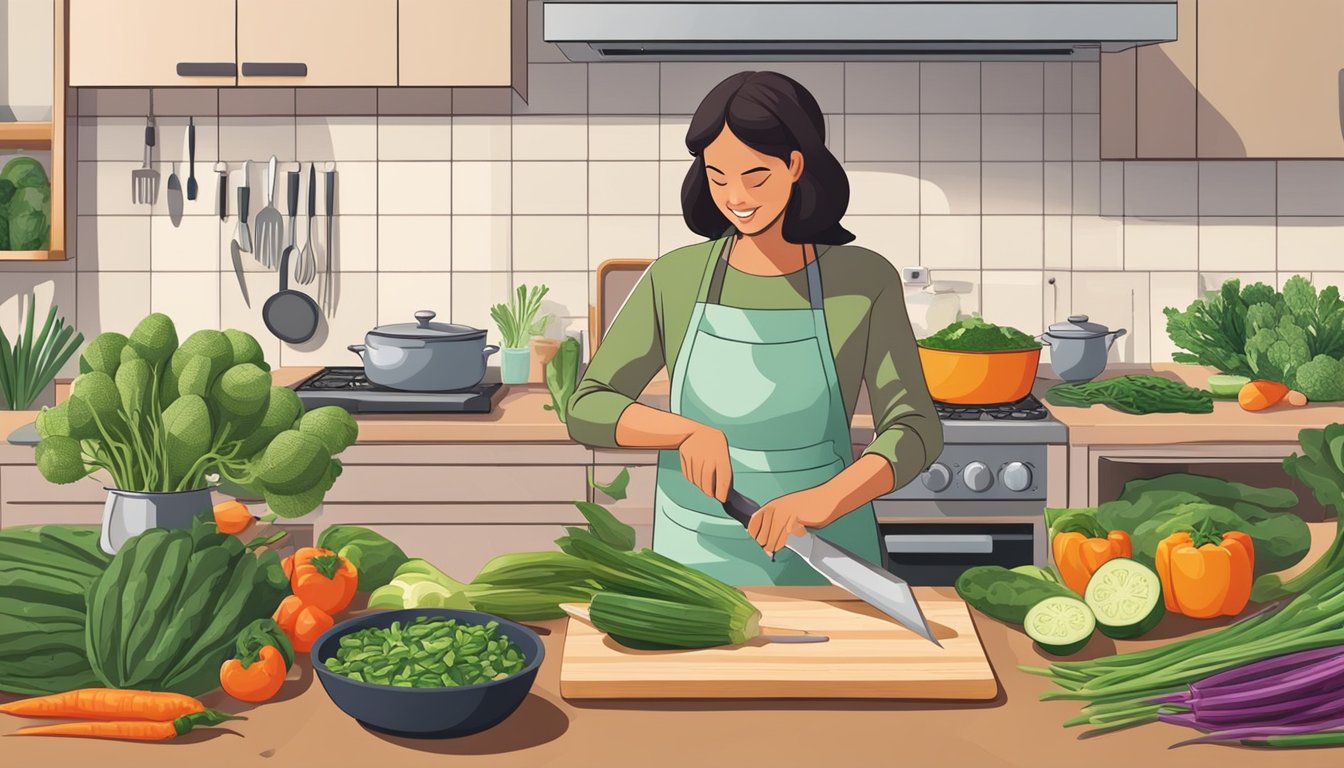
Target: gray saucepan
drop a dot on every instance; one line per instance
(290, 315)
(1078, 348)
(424, 356)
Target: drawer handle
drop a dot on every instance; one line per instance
(274, 69)
(940, 543)
(206, 69)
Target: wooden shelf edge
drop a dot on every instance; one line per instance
(32, 256)
(20, 135)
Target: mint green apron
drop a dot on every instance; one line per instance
(766, 378)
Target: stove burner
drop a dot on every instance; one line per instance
(349, 388)
(1026, 409)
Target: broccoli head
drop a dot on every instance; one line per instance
(1321, 379)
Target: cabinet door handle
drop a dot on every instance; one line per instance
(206, 69)
(940, 543)
(275, 69)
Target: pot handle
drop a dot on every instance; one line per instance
(358, 349)
(1113, 335)
(488, 350)
(1043, 339)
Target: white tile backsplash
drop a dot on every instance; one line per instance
(986, 172)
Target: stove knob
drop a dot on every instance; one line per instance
(1016, 476)
(977, 476)
(936, 478)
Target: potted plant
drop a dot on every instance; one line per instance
(166, 421)
(518, 322)
(28, 365)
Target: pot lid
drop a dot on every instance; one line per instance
(424, 328)
(1077, 327)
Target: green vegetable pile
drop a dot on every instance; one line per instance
(44, 572)
(1150, 510)
(427, 653)
(1320, 466)
(1137, 394)
(171, 605)
(1295, 337)
(972, 334)
(159, 416)
(562, 377)
(1007, 594)
(25, 206)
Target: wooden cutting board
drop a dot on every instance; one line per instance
(868, 656)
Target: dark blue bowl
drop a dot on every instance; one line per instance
(428, 713)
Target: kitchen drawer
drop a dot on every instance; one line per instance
(14, 513)
(459, 514)
(151, 43)
(624, 457)
(23, 483)
(498, 454)
(317, 42)
(457, 484)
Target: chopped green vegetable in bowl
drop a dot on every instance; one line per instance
(427, 653)
(972, 334)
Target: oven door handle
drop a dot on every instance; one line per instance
(936, 543)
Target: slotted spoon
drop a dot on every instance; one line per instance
(269, 229)
(145, 180)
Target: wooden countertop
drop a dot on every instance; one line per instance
(1228, 423)
(303, 727)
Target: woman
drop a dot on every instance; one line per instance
(768, 329)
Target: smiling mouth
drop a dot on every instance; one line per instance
(744, 215)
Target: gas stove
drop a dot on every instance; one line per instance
(348, 388)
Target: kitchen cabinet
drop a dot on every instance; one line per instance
(153, 42)
(317, 42)
(1245, 79)
(463, 43)
(26, 498)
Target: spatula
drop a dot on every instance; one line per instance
(269, 228)
(145, 179)
(768, 634)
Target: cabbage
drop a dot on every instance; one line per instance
(29, 219)
(25, 172)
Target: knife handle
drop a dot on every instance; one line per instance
(739, 507)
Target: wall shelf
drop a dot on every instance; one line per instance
(48, 255)
(25, 135)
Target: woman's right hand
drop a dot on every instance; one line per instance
(704, 461)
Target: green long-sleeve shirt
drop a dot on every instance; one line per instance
(866, 320)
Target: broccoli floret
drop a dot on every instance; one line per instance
(1321, 379)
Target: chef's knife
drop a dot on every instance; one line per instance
(873, 585)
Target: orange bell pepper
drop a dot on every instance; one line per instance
(1078, 556)
(323, 579)
(1204, 576)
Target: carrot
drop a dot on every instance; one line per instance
(106, 704)
(232, 517)
(1260, 394)
(132, 730)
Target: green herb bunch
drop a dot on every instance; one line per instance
(1294, 336)
(973, 334)
(518, 320)
(162, 417)
(28, 365)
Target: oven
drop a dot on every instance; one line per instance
(982, 502)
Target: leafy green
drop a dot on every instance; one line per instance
(163, 417)
(973, 334)
(258, 635)
(1320, 467)
(1137, 393)
(605, 526)
(1295, 337)
(29, 219)
(428, 652)
(562, 377)
(374, 556)
(518, 320)
(614, 490)
(29, 364)
(25, 172)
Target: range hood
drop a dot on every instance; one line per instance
(802, 30)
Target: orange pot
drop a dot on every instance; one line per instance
(979, 378)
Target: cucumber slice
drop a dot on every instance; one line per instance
(1126, 598)
(1060, 625)
(1222, 385)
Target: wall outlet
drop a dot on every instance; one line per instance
(916, 276)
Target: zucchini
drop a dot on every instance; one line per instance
(647, 623)
(1125, 597)
(1060, 625)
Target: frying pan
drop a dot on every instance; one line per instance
(290, 315)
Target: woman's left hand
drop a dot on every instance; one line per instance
(791, 514)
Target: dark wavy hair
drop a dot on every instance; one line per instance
(774, 115)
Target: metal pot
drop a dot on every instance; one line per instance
(978, 378)
(130, 513)
(424, 356)
(1078, 348)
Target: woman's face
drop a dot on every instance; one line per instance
(751, 189)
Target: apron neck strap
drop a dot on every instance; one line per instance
(713, 293)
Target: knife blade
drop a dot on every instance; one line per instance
(875, 586)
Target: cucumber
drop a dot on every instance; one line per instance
(1125, 597)
(1060, 625)
(1222, 385)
